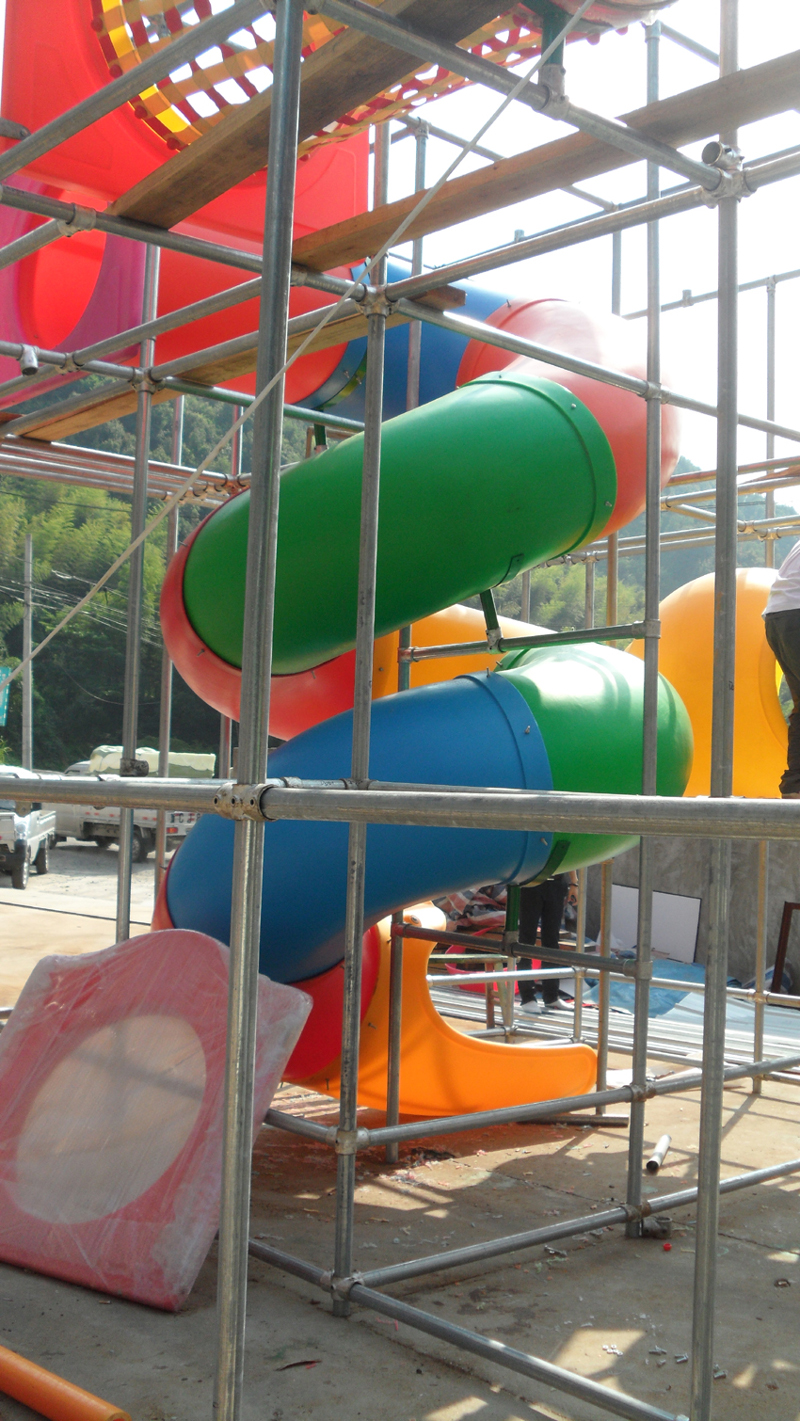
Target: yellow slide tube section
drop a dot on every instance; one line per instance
(686, 658)
(453, 624)
(442, 1071)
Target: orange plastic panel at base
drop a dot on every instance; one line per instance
(686, 658)
(442, 1071)
(50, 1395)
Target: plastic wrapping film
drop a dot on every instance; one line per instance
(111, 1111)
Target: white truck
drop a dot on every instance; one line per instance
(100, 824)
(25, 839)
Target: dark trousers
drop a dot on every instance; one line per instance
(783, 635)
(544, 903)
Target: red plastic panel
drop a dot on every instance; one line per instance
(320, 1041)
(605, 340)
(111, 1083)
(215, 681)
(60, 296)
(321, 1038)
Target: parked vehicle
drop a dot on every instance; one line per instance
(100, 825)
(25, 839)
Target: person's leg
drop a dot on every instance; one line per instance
(782, 631)
(530, 912)
(552, 915)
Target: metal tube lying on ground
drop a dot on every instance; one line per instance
(659, 1154)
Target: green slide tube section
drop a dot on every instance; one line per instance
(493, 478)
(588, 703)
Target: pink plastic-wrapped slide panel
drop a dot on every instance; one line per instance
(111, 1111)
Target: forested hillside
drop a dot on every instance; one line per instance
(77, 533)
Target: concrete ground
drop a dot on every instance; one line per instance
(69, 910)
(613, 1309)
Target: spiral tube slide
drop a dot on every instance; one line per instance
(561, 718)
(493, 478)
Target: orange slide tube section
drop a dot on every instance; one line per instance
(50, 1395)
(443, 1071)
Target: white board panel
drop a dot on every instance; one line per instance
(675, 922)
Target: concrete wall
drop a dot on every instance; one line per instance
(682, 866)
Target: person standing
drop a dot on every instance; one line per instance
(782, 630)
(543, 903)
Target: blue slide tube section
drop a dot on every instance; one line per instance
(476, 730)
(440, 356)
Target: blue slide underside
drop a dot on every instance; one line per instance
(476, 730)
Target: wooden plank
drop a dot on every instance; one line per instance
(56, 426)
(347, 71)
(244, 362)
(59, 422)
(740, 98)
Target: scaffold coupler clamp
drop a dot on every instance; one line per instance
(376, 303)
(640, 1093)
(83, 219)
(642, 971)
(733, 177)
(240, 801)
(550, 85)
(339, 1287)
(132, 768)
(349, 1142)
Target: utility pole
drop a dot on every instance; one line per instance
(27, 670)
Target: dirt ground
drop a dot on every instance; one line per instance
(613, 1309)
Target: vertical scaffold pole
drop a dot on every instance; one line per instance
(27, 648)
(616, 273)
(590, 568)
(248, 853)
(769, 501)
(357, 846)
(382, 156)
(580, 946)
(165, 707)
(721, 776)
(415, 327)
(644, 931)
(580, 935)
(604, 986)
(762, 912)
(130, 697)
(225, 723)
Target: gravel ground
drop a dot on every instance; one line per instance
(89, 872)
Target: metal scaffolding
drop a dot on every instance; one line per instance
(717, 181)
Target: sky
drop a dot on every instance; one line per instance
(609, 78)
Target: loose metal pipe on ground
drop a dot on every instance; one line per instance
(130, 708)
(248, 859)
